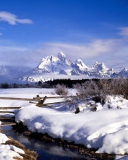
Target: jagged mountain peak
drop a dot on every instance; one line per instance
(97, 63)
(125, 69)
(60, 64)
(80, 62)
(63, 59)
(79, 66)
(51, 67)
(61, 56)
(46, 61)
(100, 66)
(123, 73)
(111, 69)
(49, 58)
(54, 64)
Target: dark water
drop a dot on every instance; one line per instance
(46, 151)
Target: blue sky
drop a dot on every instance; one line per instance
(92, 30)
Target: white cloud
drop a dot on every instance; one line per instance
(124, 31)
(90, 50)
(0, 34)
(113, 52)
(12, 54)
(12, 19)
(109, 51)
(12, 48)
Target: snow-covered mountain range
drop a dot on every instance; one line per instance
(60, 67)
(52, 67)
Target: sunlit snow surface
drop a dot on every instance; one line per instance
(105, 129)
(7, 152)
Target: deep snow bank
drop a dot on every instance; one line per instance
(8, 152)
(105, 130)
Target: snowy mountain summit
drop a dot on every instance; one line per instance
(52, 67)
(63, 59)
(100, 67)
(59, 67)
(64, 66)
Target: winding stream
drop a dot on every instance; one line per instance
(46, 151)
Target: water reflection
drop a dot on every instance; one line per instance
(46, 151)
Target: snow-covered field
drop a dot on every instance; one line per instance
(105, 129)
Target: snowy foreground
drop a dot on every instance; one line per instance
(7, 152)
(105, 129)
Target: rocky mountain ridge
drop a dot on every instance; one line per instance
(60, 67)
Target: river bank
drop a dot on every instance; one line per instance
(11, 149)
(90, 153)
(105, 129)
(28, 155)
(44, 149)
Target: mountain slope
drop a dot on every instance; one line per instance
(58, 67)
(61, 67)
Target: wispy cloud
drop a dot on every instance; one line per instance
(124, 31)
(12, 18)
(113, 52)
(109, 51)
(90, 50)
(0, 34)
(13, 55)
(12, 48)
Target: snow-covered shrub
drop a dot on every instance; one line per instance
(115, 102)
(119, 87)
(86, 89)
(98, 90)
(91, 89)
(73, 105)
(61, 90)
